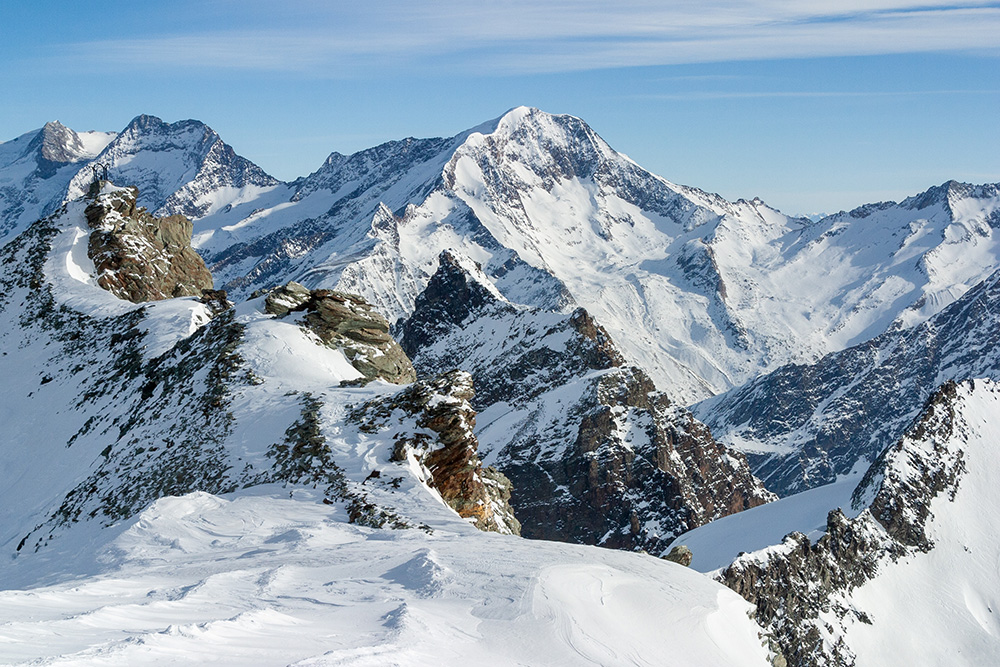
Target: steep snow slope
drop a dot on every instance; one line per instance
(913, 578)
(717, 544)
(951, 591)
(803, 426)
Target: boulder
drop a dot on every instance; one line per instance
(680, 554)
(348, 323)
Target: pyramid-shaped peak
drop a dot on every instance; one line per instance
(58, 143)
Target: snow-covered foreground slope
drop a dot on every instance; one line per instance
(261, 579)
(912, 578)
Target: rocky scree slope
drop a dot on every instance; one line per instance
(801, 426)
(596, 455)
(914, 558)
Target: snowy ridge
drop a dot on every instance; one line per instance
(918, 561)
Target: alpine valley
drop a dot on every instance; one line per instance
(482, 399)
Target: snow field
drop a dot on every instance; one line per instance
(261, 579)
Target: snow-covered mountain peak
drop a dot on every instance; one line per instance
(57, 143)
(52, 147)
(35, 169)
(182, 167)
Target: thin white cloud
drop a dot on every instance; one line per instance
(697, 96)
(519, 36)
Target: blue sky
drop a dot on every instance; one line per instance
(812, 106)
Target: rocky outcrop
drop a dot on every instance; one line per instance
(631, 471)
(595, 454)
(138, 257)
(434, 425)
(514, 353)
(681, 555)
(801, 590)
(347, 323)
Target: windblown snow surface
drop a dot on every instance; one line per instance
(271, 575)
(261, 579)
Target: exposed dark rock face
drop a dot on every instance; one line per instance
(291, 297)
(595, 454)
(851, 405)
(434, 421)
(348, 323)
(138, 257)
(461, 321)
(631, 471)
(799, 589)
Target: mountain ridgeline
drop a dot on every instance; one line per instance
(516, 329)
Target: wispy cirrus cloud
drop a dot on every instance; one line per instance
(517, 36)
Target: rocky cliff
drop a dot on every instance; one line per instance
(804, 591)
(138, 257)
(595, 454)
